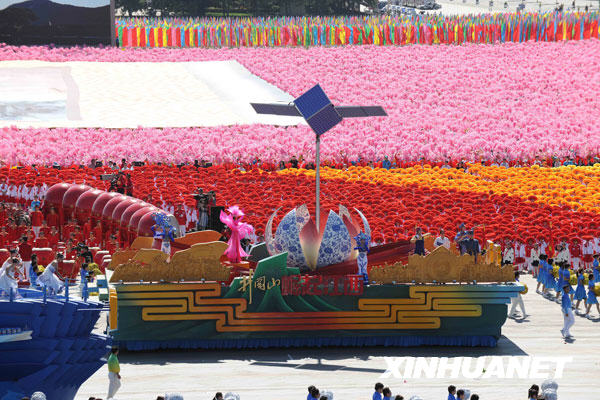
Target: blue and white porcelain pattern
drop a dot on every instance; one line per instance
(302, 217)
(344, 213)
(336, 243)
(287, 239)
(335, 246)
(366, 226)
(269, 239)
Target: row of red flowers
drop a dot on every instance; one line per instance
(392, 210)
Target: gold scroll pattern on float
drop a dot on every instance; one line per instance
(423, 309)
(200, 261)
(442, 266)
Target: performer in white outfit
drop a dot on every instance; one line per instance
(49, 277)
(563, 255)
(517, 301)
(520, 256)
(568, 317)
(508, 257)
(442, 240)
(8, 276)
(533, 261)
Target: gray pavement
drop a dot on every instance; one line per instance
(350, 373)
(460, 7)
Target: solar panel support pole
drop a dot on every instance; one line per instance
(318, 183)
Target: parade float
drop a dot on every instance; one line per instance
(307, 292)
(316, 287)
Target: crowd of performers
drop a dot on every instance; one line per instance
(28, 238)
(566, 272)
(569, 287)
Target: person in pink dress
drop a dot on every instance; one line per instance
(239, 230)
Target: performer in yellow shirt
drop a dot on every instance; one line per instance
(114, 379)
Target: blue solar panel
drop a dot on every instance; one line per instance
(324, 120)
(311, 102)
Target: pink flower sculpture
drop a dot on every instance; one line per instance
(239, 230)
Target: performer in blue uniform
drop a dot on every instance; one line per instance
(362, 245)
(568, 317)
(551, 283)
(591, 296)
(560, 282)
(596, 265)
(84, 281)
(567, 280)
(580, 291)
(542, 277)
(163, 230)
(33, 268)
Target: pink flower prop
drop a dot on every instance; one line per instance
(239, 230)
(471, 101)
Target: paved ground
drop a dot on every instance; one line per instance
(350, 373)
(460, 7)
